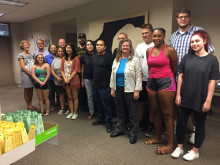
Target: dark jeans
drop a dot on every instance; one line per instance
(182, 118)
(52, 93)
(102, 103)
(126, 106)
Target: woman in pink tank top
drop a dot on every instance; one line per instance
(162, 63)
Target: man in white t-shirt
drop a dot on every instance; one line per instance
(140, 52)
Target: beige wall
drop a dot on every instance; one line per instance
(161, 14)
(59, 31)
(16, 37)
(6, 73)
(207, 15)
(203, 14)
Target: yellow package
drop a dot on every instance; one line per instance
(8, 130)
(24, 136)
(17, 140)
(1, 144)
(1, 148)
(19, 125)
(31, 133)
(2, 122)
(11, 124)
(1, 129)
(8, 142)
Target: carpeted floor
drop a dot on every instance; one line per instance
(80, 143)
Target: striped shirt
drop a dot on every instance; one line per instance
(181, 42)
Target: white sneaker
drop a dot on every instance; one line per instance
(60, 112)
(191, 155)
(192, 138)
(67, 112)
(75, 115)
(69, 116)
(177, 152)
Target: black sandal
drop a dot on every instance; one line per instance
(47, 114)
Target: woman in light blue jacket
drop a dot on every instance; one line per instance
(126, 82)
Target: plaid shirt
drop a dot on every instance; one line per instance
(181, 42)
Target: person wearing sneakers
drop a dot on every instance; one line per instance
(86, 75)
(180, 41)
(58, 79)
(70, 67)
(198, 72)
(144, 112)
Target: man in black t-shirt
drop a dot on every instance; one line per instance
(82, 45)
(82, 92)
(102, 65)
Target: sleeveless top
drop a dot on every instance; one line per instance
(41, 74)
(159, 65)
(67, 69)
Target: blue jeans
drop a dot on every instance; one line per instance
(102, 102)
(88, 86)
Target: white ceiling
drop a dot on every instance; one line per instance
(36, 9)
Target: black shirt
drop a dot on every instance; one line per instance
(102, 66)
(197, 71)
(86, 60)
(80, 51)
(115, 53)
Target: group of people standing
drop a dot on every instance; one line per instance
(150, 73)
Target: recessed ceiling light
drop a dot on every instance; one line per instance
(1, 14)
(13, 3)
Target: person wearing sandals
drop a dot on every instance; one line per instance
(70, 67)
(86, 74)
(162, 63)
(41, 73)
(58, 79)
(125, 84)
(198, 72)
(26, 61)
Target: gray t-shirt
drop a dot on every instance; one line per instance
(28, 60)
(26, 79)
(56, 64)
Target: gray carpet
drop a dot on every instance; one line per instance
(80, 143)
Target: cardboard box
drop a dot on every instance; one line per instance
(50, 130)
(17, 153)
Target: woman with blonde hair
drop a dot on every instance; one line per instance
(26, 61)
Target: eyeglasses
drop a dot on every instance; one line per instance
(185, 17)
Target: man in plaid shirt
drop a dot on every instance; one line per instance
(180, 41)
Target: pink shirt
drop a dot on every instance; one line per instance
(159, 66)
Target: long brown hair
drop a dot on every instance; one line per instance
(35, 60)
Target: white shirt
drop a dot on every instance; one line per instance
(140, 53)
